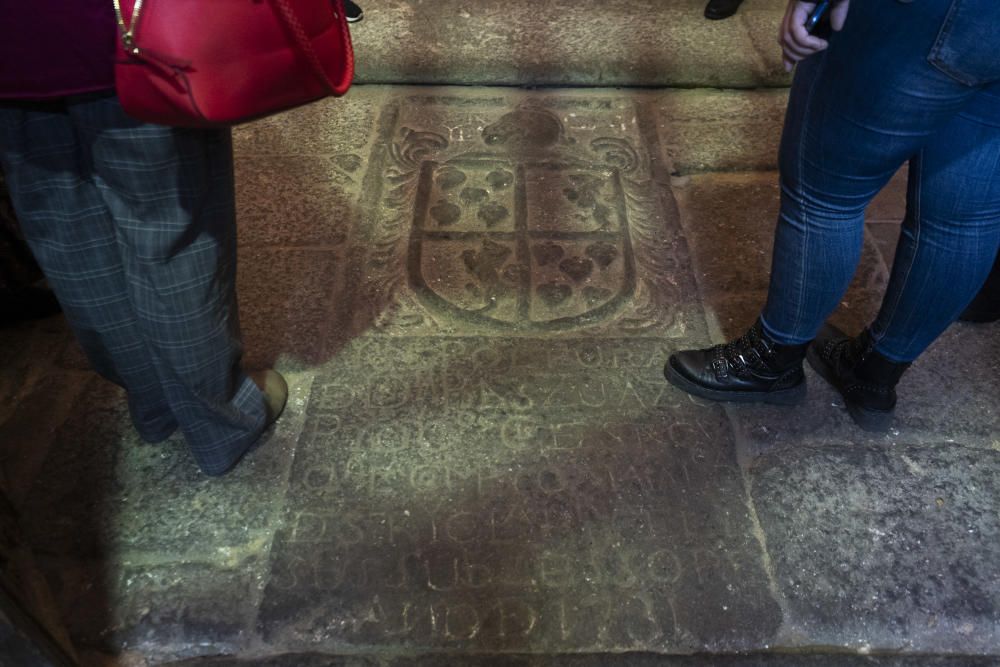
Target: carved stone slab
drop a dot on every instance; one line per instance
(531, 495)
(521, 215)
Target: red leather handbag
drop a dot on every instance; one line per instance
(211, 63)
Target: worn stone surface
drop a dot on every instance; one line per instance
(17, 648)
(563, 42)
(102, 491)
(296, 200)
(140, 548)
(951, 391)
(722, 130)
(27, 351)
(602, 660)
(287, 660)
(159, 607)
(30, 626)
(889, 205)
(514, 213)
(542, 495)
(332, 127)
(495, 463)
(292, 303)
(884, 545)
(885, 235)
(473, 292)
(30, 431)
(729, 222)
(299, 176)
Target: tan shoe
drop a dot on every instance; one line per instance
(275, 390)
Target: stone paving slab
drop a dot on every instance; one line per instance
(517, 213)
(947, 399)
(27, 352)
(567, 42)
(287, 200)
(722, 130)
(494, 463)
(30, 432)
(104, 492)
(299, 174)
(142, 550)
(889, 205)
(885, 546)
(603, 660)
(729, 220)
(342, 126)
(156, 608)
(292, 304)
(419, 520)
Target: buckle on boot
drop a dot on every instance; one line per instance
(756, 359)
(721, 368)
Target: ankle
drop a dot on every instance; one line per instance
(784, 353)
(875, 367)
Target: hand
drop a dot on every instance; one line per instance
(796, 43)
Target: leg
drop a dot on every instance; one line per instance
(986, 306)
(857, 112)
(70, 230)
(947, 246)
(950, 234)
(170, 193)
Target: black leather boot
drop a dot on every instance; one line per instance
(752, 368)
(866, 379)
(721, 9)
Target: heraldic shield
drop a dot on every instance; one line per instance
(539, 245)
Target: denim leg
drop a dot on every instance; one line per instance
(72, 235)
(170, 193)
(950, 233)
(857, 112)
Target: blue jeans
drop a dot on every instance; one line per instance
(915, 82)
(134, 226)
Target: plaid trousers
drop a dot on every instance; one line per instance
(134, 226)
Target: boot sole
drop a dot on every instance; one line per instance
(875, 421)
(791, 396)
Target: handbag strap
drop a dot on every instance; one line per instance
(285, 12)
(293, 23)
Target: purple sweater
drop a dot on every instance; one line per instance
(52, 48)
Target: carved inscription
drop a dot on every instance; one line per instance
(577, 509)
(599, 378)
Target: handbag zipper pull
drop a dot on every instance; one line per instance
(128, 39)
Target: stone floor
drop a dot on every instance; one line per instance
(472, 292)
(568, 42)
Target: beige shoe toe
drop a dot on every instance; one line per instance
(275, 390)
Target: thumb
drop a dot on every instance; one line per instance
(839, 14)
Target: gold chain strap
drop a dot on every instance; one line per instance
(128, 39)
